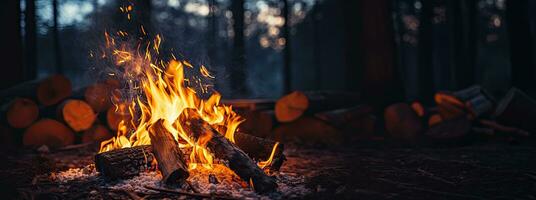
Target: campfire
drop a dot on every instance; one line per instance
(171, 120)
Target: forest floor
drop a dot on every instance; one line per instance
(482, 171)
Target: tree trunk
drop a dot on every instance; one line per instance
(521, 50)
(462, 19)
(30, 38)
(56, 36)
(379, 78)
(238, 64)
(11, 40)
(287, 72)
(425, 53)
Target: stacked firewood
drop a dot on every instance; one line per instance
(49, 112)
(462, 116)
(308, 117)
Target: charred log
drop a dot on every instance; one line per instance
(166, 150)
(124, 163)
(237, 160)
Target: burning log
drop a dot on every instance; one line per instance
(517, 109)
(290, 107)
(97, 133)
(222, 148)
(21, 113)
(401, 122)
(168, 155)
(257, 148)
(77, 114)
(124, 163)
(48, 91)
(260, 149)
(48, 132)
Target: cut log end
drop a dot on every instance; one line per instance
(22, 113)
(48, 132)
(97, 133)
(53, 90)
(98, 96)
(291, 106)
(77, 114)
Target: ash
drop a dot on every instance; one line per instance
(226, 183)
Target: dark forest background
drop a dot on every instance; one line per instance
(387, 50)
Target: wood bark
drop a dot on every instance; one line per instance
(260, 149)
(168, 155)
(517, 109)
(125, 163)
(237, 160)
(255, 147)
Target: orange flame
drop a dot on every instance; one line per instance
(164, 93)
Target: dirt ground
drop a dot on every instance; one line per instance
(481, 171)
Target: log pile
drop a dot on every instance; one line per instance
(464, 116)
(48, 112)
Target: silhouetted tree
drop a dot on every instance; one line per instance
(521, 50)
(238, 68)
